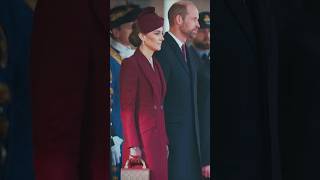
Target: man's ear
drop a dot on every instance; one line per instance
(179, 19)
(115, 32)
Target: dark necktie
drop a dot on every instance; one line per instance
(184, 54)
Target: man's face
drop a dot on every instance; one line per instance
(202, 39)
(190, 23)
(122, 33)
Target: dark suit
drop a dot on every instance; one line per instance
(204, 91)
(180, 111)
(245, 92)
(68, 80)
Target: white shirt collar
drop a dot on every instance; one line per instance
(201, 52)
(124, 51)
(176, 39)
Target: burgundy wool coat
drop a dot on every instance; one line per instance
(142, 92)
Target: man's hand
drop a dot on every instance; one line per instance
(206, 171)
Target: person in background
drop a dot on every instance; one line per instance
(142, 92)
(121, 20)
(199, 51)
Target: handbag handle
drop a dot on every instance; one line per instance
(141, 160)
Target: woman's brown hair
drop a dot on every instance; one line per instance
(134, 38)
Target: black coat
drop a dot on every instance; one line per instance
(245, 129)
(180, 111)
(299, 37)
(203, 96)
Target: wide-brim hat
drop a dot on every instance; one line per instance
(123, 14)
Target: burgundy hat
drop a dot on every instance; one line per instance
(148, 20)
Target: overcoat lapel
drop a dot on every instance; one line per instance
(147, 70)
(174, 46)
(193, 73)
(163, 82)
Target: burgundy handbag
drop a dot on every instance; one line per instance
(135, 173)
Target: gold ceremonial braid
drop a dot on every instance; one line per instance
(115, 55)
(119, 14)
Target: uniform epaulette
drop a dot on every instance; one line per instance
(115, 55)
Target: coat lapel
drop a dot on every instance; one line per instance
(241, 12)
(192, 66)
(146, 69)
(163, 82)
(174, 46)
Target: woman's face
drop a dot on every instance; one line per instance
(154, 39)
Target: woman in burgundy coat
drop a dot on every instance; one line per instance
(142, 91)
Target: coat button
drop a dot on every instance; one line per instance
(154, 107)
(161, 107)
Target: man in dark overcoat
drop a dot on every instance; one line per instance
(181, 99)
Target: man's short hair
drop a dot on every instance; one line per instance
(177, 8)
